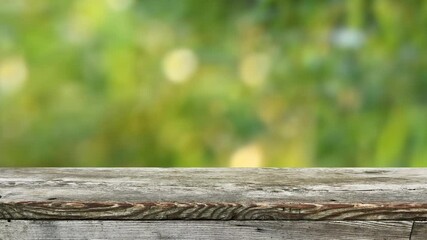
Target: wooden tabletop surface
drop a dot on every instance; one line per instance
(213, 193)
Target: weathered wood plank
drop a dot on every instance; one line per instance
(213, 194)
(419, 231)
(325, 230)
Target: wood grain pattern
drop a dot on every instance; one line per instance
(211, 211)
(124, 230)
(213, 194)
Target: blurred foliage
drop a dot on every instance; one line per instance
(213, 83)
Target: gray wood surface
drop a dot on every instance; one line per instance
(419, 231)
(325, 230)
(213, 194)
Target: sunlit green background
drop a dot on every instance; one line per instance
(213, 83)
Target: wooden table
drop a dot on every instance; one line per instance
(212, 203)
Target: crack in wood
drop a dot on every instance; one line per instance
(412, 230)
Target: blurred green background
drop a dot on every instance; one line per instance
(213, 83)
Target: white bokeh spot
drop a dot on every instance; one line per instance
(347, 38)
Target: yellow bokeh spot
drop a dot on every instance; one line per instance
(119, 5)
(84, 20)
(247, 156)
(254, 69)
(179, 65)
(13, 74)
